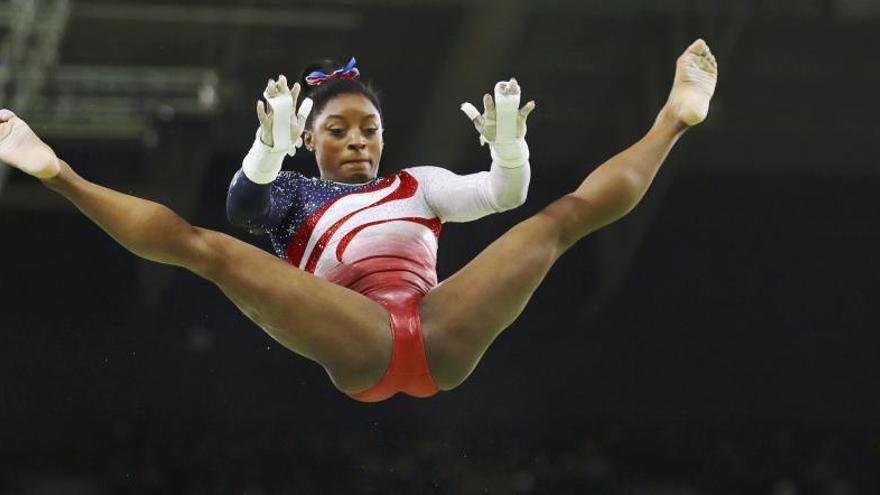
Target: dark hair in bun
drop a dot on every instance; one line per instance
(331, 88)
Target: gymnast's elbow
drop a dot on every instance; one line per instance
(244, 219)
(234, 213)
(510, 201)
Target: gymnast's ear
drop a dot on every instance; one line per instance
(309, 140)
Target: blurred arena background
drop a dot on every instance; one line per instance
(722, 339)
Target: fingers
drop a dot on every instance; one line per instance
(276, 87)
(513, 86)
(281, 84)
(489, 105)
(294, 93)
(302, 115)
(470, 110)
(474, 115)
(305, 108)
(263, 116)
(526, 110)
(510, 87)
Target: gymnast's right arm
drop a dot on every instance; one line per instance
(254, 207)
(254, 200)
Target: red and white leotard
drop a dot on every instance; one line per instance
(378, 238)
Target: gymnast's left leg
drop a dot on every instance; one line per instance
(464, 314)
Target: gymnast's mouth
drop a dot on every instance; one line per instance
(365, 161)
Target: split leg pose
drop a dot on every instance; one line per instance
(491, 291)
(348, 332)
(340, 329)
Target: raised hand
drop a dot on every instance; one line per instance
(503, 124)
(502, 120)
(22, 149)
(279, 127)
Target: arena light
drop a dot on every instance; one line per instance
(186, 14)
(29, 50)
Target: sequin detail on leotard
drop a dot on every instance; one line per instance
(379, 239)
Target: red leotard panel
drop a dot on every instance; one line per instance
(398, 285)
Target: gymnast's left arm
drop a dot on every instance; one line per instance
(502, 126)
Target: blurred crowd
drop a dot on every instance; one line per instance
(671, 459)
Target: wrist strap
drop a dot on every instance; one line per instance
(510, 154)
(262, 164)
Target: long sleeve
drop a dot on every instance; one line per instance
(463, 198)
(258, 207)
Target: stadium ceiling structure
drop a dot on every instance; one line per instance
(88, 73)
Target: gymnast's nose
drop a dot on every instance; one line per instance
(358, 141)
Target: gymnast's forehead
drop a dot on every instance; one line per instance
(347, 107)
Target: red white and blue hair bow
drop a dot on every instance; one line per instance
(316, 78)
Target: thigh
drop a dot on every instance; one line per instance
(463, 315)
(342, 330)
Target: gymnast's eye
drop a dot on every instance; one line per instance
(337, 132)
(370, 131)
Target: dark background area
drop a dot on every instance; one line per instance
(721, 339)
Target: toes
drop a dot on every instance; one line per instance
(699, 47)
(707, 62)
(699, 55)
(6, 115)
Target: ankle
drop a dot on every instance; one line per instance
(64, 176)
(669, 122)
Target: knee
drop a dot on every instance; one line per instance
(206, 257)
(450, 382)
(354, 368)
(568, 220)
(449, 376)
(357, 373)
(450, 362)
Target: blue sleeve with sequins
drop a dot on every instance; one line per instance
(260, 207)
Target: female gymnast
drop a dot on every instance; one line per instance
(354, 285)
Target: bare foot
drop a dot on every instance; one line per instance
(22, 149)
(695, 76)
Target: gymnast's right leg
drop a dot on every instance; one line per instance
(343, 331)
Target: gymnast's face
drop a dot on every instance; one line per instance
(347, 139)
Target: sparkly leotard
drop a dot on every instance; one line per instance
(378, 238)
